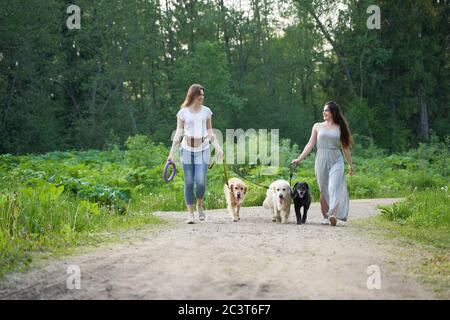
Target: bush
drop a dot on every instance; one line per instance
(430, 208)
(365, 147)
(421, 180)
(434, 154)
(142, 152)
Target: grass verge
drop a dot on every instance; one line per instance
(419, 225)
(18, 254)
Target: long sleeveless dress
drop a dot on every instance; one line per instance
(329, 167)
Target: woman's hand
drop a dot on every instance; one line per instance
(296, 161)
(219, 153)
(170, 158)
(351, 170)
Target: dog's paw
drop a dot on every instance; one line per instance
(234, 220)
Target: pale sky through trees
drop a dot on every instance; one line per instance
(278, 19)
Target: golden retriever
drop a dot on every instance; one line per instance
(278, 199)
(235, 196)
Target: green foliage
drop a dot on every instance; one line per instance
(433, 154)
(365, 147)
(59, 198)
(265, 65)
(143, 152)
(429, 208)
(42, 216)
(214, 75)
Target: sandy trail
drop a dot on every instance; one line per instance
(217, 259)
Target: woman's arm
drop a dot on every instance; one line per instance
(348, 156)
(213, 139)
(176, 138)
(308, 148)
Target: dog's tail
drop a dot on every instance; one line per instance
(266, 203)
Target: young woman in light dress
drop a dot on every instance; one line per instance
(329, 164)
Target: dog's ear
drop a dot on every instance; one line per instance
(232, 187)
(307, 186)
(295, 185)
(245, 190)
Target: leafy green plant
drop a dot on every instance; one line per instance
(427, 208)
(60, 196)
(9, 212)
(143, 152)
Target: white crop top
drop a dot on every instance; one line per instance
(195, 126)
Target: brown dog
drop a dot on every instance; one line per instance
(235, 196)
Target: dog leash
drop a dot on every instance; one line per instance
(225, 174)
(254, 183)
(211, 165)
(291, 172)
(166, 169)
(174, 170)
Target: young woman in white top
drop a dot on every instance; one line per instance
(195, 126)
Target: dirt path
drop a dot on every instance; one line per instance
(217, 259)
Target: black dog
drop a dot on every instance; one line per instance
(302, 198)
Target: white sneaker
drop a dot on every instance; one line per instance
(190, 218)
(201, 214)
(325, 221)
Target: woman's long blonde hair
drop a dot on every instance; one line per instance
(194, 91)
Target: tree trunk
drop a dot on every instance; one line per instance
(71, 94)
(267, 62)
(169, 54)
(192, 16)
(129, 108)
(242, 62)
(106, 102)
(263, 51)
(337, 50)
(393, 125)
(125, 61)
(153, 103)
(8, 105)
(226, 37)
(424, 126)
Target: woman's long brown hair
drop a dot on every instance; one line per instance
(194, 91)
(338, 118)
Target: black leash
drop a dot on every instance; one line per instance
(291, 172)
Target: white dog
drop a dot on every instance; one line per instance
(278, 199)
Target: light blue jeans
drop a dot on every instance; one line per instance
(195, 168)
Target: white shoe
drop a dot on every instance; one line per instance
(201, 214)
(325, 221)
(190, 218)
